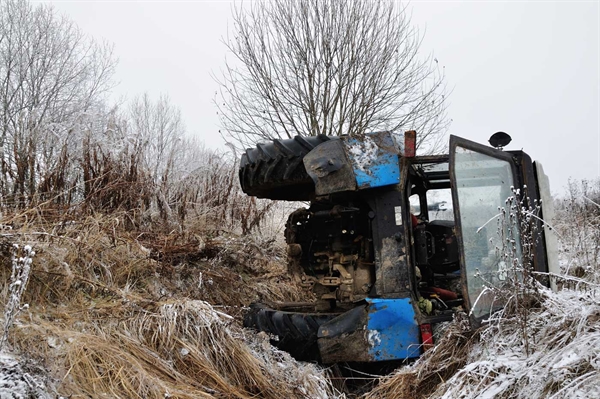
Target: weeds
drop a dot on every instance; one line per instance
(121, 313)
(579, 226)
(22, 260)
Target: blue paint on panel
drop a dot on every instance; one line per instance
(392, 329)
(374, 159)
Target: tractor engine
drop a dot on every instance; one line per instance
(331, 247)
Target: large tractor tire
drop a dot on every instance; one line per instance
(276, 170)
(296, 332)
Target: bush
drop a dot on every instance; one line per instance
(578, 226)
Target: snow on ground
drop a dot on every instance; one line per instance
(21, 379)
(553, 353)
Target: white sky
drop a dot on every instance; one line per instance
(530, 69)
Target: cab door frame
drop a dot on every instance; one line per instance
(456, 142)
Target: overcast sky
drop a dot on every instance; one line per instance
(530, 69)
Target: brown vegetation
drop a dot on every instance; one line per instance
(129, 313)
(144, 243)
(434, 367)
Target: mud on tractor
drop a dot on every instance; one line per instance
(392, 244)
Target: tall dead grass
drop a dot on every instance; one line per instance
(96, 253)
(125, 313)
(177, 349)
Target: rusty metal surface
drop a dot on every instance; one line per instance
(410, 143)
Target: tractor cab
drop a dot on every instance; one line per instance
(467, 241)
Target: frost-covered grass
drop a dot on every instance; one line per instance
(175, 349)
(21, 268)
(578, 230)
(121, 313)
(20, 379)
(560, 360)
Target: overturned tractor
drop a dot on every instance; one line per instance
(393, 244)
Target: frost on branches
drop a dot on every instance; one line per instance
(21, 266)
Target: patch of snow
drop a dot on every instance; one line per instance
(560, 359)
(19, 381)
(568, 360)
(363, 152)
(374, 338)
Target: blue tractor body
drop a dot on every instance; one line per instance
(392, 244)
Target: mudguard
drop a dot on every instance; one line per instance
(355, 163)
(382, 329)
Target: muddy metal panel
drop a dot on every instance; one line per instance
(384, 329)
(344, 338)
(391, 271)
(329, 168)
(389, 243)
(359, 162)
(374, 159)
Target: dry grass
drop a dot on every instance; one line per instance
(97, 254)
(177, 349)
(436, 366)
(126, 314)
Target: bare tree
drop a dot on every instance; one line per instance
(158, 133)
(50, 73)
(310, 67)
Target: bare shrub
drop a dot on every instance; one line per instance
(578, 225)
(50, 73)
(62, 151)
(211, 195)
